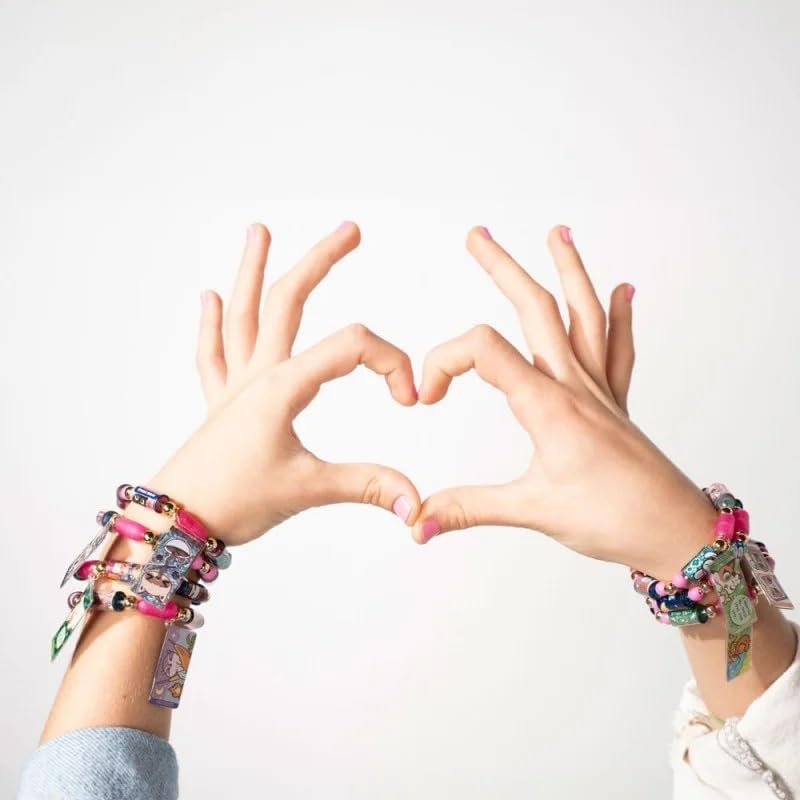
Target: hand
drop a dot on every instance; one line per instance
(245, 469)
(595, 482)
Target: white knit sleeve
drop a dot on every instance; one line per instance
(754, 756)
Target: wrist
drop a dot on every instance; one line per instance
(677, 534)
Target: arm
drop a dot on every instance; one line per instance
(255, 389)
(595, 483)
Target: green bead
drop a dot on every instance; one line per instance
(686, 617)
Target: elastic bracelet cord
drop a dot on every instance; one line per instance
(150, 587)
(735, 567)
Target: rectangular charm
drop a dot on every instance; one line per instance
(728, 580)
(73, 621)
(84, 554)
(764, 576)
(740, 652)
(170, 561)
(172, 665)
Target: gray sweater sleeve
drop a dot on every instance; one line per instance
(101, 764)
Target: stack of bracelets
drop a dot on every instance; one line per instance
(149, 588)
(725, 578)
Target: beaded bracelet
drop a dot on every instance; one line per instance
(185, 546)
(117, 600)
(737, 568)
(127, 572)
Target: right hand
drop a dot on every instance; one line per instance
(245, 469)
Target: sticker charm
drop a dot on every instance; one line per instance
(172, 665)
(73, 621)
(84, 554)
(740, 613)
(764, 575)
(161, 576)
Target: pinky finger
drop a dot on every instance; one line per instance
(210, 352)
(619, 362)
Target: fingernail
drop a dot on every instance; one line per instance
(343, 225)
(205, 296)
(250, 232)
(430, 528)
(566, 234)
(402, 507)
(630, 292)
(485, 233)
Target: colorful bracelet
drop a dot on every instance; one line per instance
(185, 546)
(128, 572)
(735, 567)
(117, 600)
(213, 549)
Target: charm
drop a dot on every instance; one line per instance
(728, 581)
(764, 575)
(84, 554)
(173, 662)
(172, 557)
(73, 621)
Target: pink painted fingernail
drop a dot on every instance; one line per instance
(630, 292)
(205, 297)
(402, 507)
(430, 528)
(485, 233)
(250, 231)
(343, 225)
(566, 234)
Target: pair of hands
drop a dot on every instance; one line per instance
(595, 482)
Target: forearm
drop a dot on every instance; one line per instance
(774, 648)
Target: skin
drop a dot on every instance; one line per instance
(595, 482)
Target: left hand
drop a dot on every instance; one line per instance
(595, 482)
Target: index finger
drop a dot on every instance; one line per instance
(339, 354)
(536, 307)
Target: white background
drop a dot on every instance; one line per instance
(340, 659)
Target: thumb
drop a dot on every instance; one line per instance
(372, 484)
(467, 507)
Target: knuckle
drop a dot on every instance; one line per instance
(371, 494)
(484, 336)
(357, 333)
(457, 516)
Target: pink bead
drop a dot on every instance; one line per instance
(129, 529)
(84, 570)
(663, 618)
(209, 572)
(169, 611)
(680, 581)
(660, 588)
(198, 562)
(724, 529)
(742, 520)
(695, 594)
(190, 524)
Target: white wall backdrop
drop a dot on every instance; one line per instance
(137, 142)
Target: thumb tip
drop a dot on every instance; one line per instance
(426, 529)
